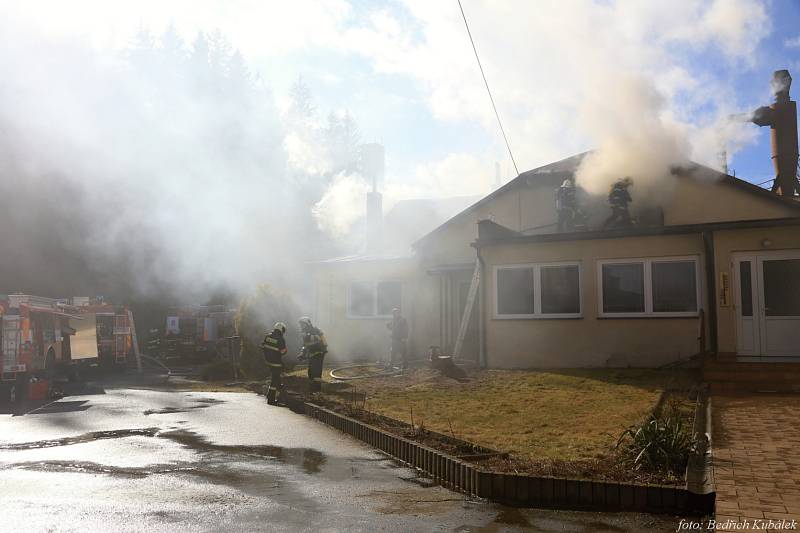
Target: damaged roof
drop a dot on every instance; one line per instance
(567, 167)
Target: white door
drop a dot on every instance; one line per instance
(768, 303)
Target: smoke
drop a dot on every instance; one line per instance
(342, 205)
(645, 84)
(641, 142)
(156, 170)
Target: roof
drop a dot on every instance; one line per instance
(557, 169)
(362, 258)
(408, 220)
(567, 167)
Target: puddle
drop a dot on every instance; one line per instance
(310, 460)
(201, 403)
(88, 467)
(79, 439)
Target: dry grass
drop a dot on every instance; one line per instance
(567, 415)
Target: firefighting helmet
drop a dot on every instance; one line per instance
(304, 322)
(280, 326)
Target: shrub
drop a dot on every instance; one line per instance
(662, 444)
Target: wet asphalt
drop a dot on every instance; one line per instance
(148, 460)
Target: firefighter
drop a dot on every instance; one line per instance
(314, 349)
(274, 347)
(399, 331)
(619, 198)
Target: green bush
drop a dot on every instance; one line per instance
(662, 444)
(217, 371)
(255, 318)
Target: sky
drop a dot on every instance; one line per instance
(406, 72)
(102, 133)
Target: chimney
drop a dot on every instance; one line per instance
(781, 117)
(372, 167)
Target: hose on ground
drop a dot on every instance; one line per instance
(384, 371)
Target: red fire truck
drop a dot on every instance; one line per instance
(45, 338)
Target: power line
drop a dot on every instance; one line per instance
(496, 114)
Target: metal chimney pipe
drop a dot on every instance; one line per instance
(781, 117)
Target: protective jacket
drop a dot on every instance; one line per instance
(314, 343)
(274, 346)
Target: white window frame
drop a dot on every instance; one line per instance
(374, 289)
(647, 265)
(537, 292)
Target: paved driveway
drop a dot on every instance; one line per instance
(141, 460)
(757, 457)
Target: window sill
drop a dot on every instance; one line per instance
(639, 316)
(537, 317)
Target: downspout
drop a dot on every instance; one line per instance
(711, 290)
(482, 352)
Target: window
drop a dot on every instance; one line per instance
(515, 291)
(560, 290)
(674, 287)
(367, 299)
(623, 288)
(388, 295)
(782, 287)
(361, 299)
(538, 291)
(649, 287)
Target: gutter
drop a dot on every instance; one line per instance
(641, 232)
(711, 289)
(482, 352)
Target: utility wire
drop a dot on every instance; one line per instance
(496, 114)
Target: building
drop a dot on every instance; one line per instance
(710, 265)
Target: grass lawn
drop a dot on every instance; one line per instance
(562, 415)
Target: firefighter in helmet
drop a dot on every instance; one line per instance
(274, 347)
(619, 197)
(314, 349)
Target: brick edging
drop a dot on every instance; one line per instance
(517, 489)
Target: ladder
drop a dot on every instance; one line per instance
(473, 292)
(135, 342)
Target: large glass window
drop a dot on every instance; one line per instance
(361, 299)
(674, 287)
(782, 287)
(649, 287)
(515, 291)
(388, 294)
(368, 299)
(538, 291)
(560, 290)
(623, 288)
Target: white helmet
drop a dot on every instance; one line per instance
(280, 326)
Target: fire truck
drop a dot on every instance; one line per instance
(44, 339)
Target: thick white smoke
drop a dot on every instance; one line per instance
(161, 167)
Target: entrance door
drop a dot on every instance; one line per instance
(768, 304)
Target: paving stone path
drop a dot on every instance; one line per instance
(756, 453)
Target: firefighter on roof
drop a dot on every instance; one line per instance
(619, 197)
(274, 347)
(314, 349)
(570, 217)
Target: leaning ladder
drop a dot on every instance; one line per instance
(135, 342)
(473, 292)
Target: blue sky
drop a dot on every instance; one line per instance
(405, 70)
